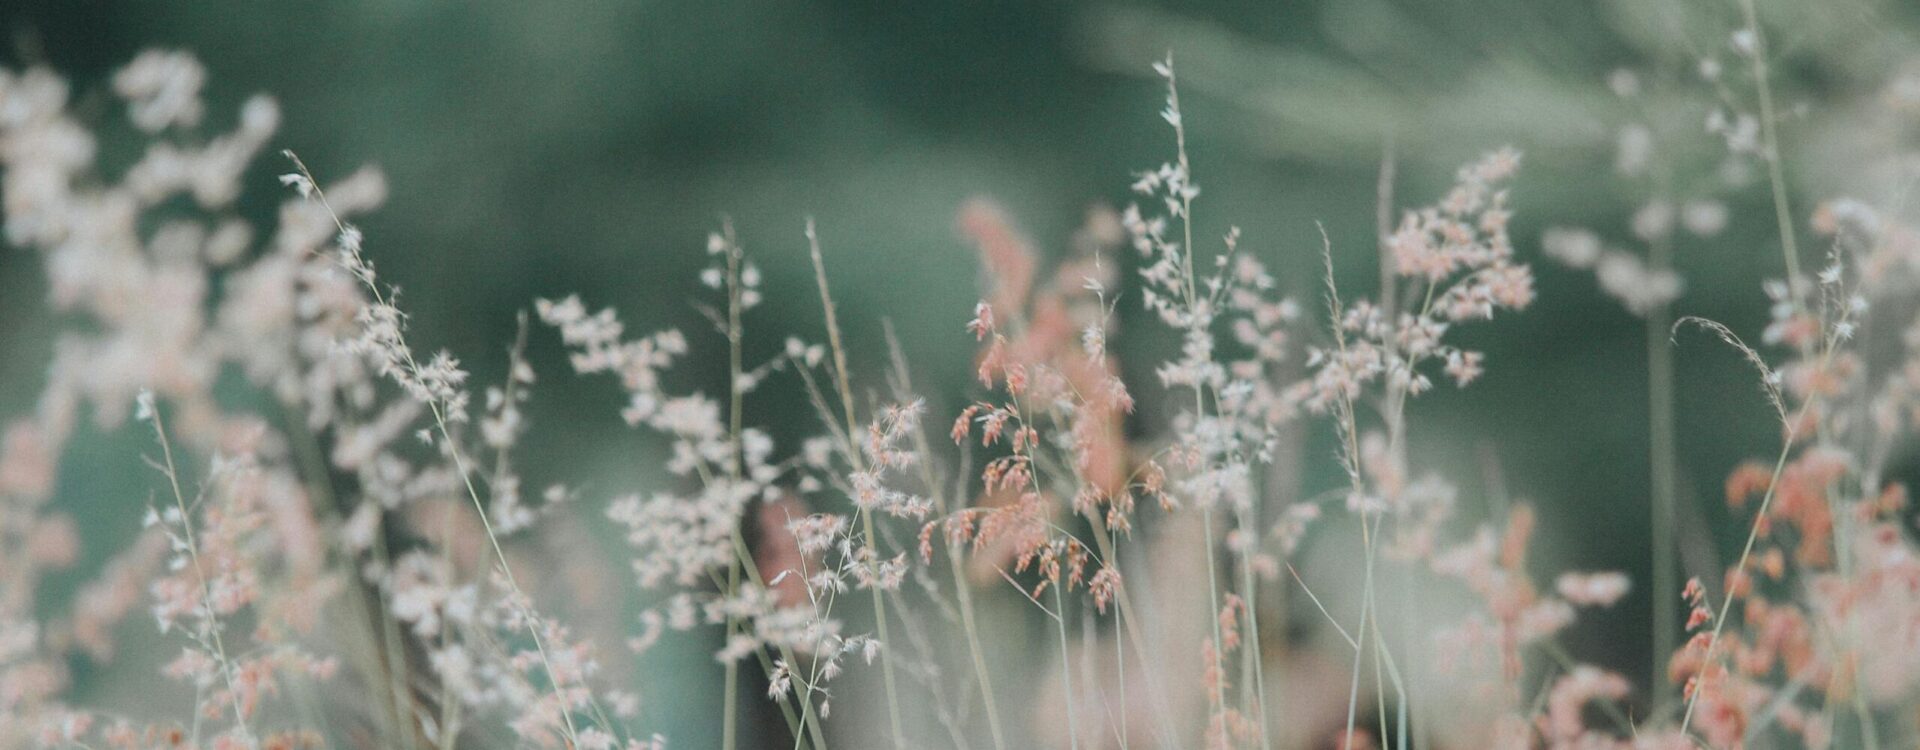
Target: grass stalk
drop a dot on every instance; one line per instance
(1066, 670)
(206, 589)
(1770, 141)
(963, 590)
(534, 622)
(735, 399)
(839, 350)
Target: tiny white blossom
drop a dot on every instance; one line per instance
(299, 183)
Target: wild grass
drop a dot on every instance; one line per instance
(351, 559)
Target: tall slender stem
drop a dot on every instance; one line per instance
(1251, 587)
(853, 455)
(963, 591)
(731, 693)
(1195, 321)
(1066, 667)
(381, 631)
(1770, 142)
(206, 589)
(1664, 476)
(1663, 470)
(534, 622)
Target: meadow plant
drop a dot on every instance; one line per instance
(348, 556)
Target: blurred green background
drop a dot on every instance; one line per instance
(540, 149)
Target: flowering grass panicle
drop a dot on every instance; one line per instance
(340, 549)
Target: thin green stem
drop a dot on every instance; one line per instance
(806, 710)
(1770, 141)
(1213, 615)
(853, 455)
(1664, 475)
(1066, 669)
(736, 396)
(1249, 585)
